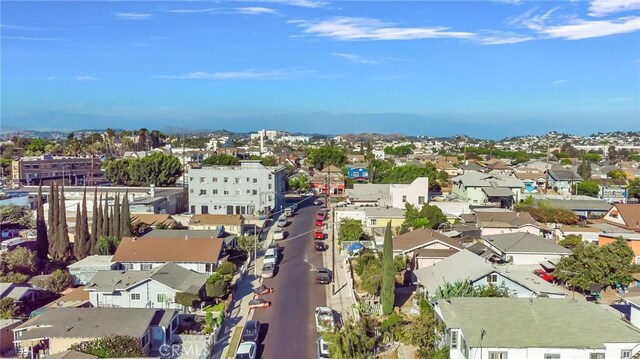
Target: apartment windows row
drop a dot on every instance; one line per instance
(236, 180)
(229, 209)
(226, 192)
(160, 297)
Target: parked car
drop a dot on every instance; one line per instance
(321, 246)
(317, 202)
(278, 234)
(288, 212)
(270, 256)
(275, 246)
(319, 223)
(544, 275)
(282, 221)
(320, 216)
(322, 349)
(251, 331)
(323, 276)
(246, 350)
(318, 234)
(324, 208)
(268, 270)
(325, 321)
(259, 303)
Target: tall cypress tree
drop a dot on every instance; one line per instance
(387, 291)
(86, 246)
(105, 216)
(78, 243)
(116, 218)
(125, 223)
(42, 241)
(93, 236)
(62, 242)
(53, 218)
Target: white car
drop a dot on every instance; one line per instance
(282, 221)
(246, 350)
(271, 256)
(278, 234)
(322, 349)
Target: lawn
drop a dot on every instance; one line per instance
(235, 341)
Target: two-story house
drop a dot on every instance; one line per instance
(488, 189)
(562, 180)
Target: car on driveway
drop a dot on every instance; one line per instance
(323, 276)
(322, 349)
(278, 234)
(251, 331)
(259, 303)
(320, 246)
(268, 270)
(246, 350)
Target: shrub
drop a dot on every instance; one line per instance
(227, 268)
(115, 346)
(56, 282)
(8, 308)
(187, 299)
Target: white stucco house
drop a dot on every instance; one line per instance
(488, 188)
(156, 288)
(485, 328)
(525, 248)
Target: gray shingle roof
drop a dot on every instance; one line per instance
(562, 174)
(90, 322)
(478, 179)
(519, 242)
(543, 323)
(460, 266)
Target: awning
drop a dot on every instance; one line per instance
(497, 192)
(548, 266)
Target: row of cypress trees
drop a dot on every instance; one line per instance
(53, 238)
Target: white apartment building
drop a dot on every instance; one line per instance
(250, 188)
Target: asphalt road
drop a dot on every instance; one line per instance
(288, 327)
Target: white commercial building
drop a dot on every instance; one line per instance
(250, 188)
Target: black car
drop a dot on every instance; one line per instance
(251, 331)
(320, 246)
(323, 276)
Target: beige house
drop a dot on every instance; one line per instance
(232, 223)
(425, 247)
(57, 329)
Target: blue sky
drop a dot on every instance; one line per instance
(482, 68)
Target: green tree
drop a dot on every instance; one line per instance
(619, 257)
(221, 160)
(8, 308)
(42, 241)
(355, 340)
(116, 217)
(350, 230)
(57, 282)
(158, 169)
(588, 188)
(633, 189)
(78, 244)
(266, 160)
(371, 277)
(300, 183)
(617, 174)
(37, 146)
(592, 157)
(217, 285)
(584, 169)
(570, 241)
(85, 235)
(52, 233)
(424, 331)
(105, 218)
(95, 224)
(16, 215)
(61, 250)
(387, 291)
(226, 268)
(125, 221)
(429, 216)
(20, 260)
(326, 155)
(113, 346)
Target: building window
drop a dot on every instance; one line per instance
(269, 185)
(270, 176)
(145, 266)
(127, 266)
(238, 192)
(215, 191)
(191, 190)
(248, 191)
(596, 356)
(135, 296)
(625, 354)
(193, 209)
(237, 180)
(214, 179)
(270, 198)
(203, 192)
(254, 192)
(404, 198)
(497, 355)
(205, 209)
(454, 339)
(492, 278)
(190, 178)
(248, 179)
(552, 356)
(226, 179)
(255, 180)
(161, 298)
(226, 191)
(201, 179)
(374, 221)
(420, 199)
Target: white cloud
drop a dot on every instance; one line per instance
(583, 29)
(559, 82)
(606, 7)
(85, 78)
(251, 74)
(299, 3)
(510, 2)
(357, 28)
(356, 59)
(133, 16)
(255, 10)
(192, 11)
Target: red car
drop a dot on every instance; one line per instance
(320, 216)
(544, 275)
(319, 223)
(318, 234)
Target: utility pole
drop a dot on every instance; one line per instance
(333, 238)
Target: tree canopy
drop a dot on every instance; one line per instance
(429, 216)
(544, 213)
(588, 188)
(114, 346)
(12, 214)
(400, 151)
(221, 159)
(325, 156)
(158, 169)
(387, 289)
(350, 230)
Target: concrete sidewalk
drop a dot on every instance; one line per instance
(339, 295)
(240, 312)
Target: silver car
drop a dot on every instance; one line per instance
(268, 270)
